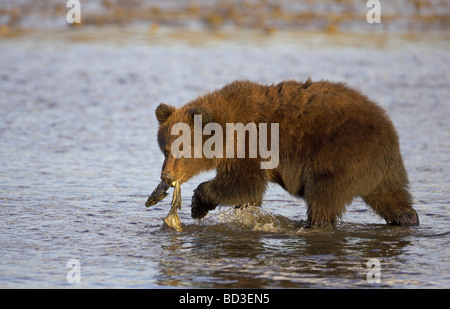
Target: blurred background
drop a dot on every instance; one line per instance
(264, 15)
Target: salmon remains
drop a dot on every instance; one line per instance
(160, 193)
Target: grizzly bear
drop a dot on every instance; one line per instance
(334, 144)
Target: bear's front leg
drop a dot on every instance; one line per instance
(202, 202)
(235, 184)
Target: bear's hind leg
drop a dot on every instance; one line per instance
(326, 203)
(392, 201)
(324, 213)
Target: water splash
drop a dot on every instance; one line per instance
(254, 218)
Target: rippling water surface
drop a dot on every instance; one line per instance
(78, 159)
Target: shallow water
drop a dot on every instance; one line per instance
(78, 159)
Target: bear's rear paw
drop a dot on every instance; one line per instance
(407, 218)
(200, 206)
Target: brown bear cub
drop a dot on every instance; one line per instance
(333, 144)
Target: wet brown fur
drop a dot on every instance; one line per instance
(335, 144)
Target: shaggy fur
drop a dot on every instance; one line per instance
(335, 144)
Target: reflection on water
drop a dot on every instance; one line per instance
(265, 15)
(224, 256)
(78, 159)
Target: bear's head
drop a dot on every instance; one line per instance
(176, 136)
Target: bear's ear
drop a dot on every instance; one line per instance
(203, 111)
(163, 111)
